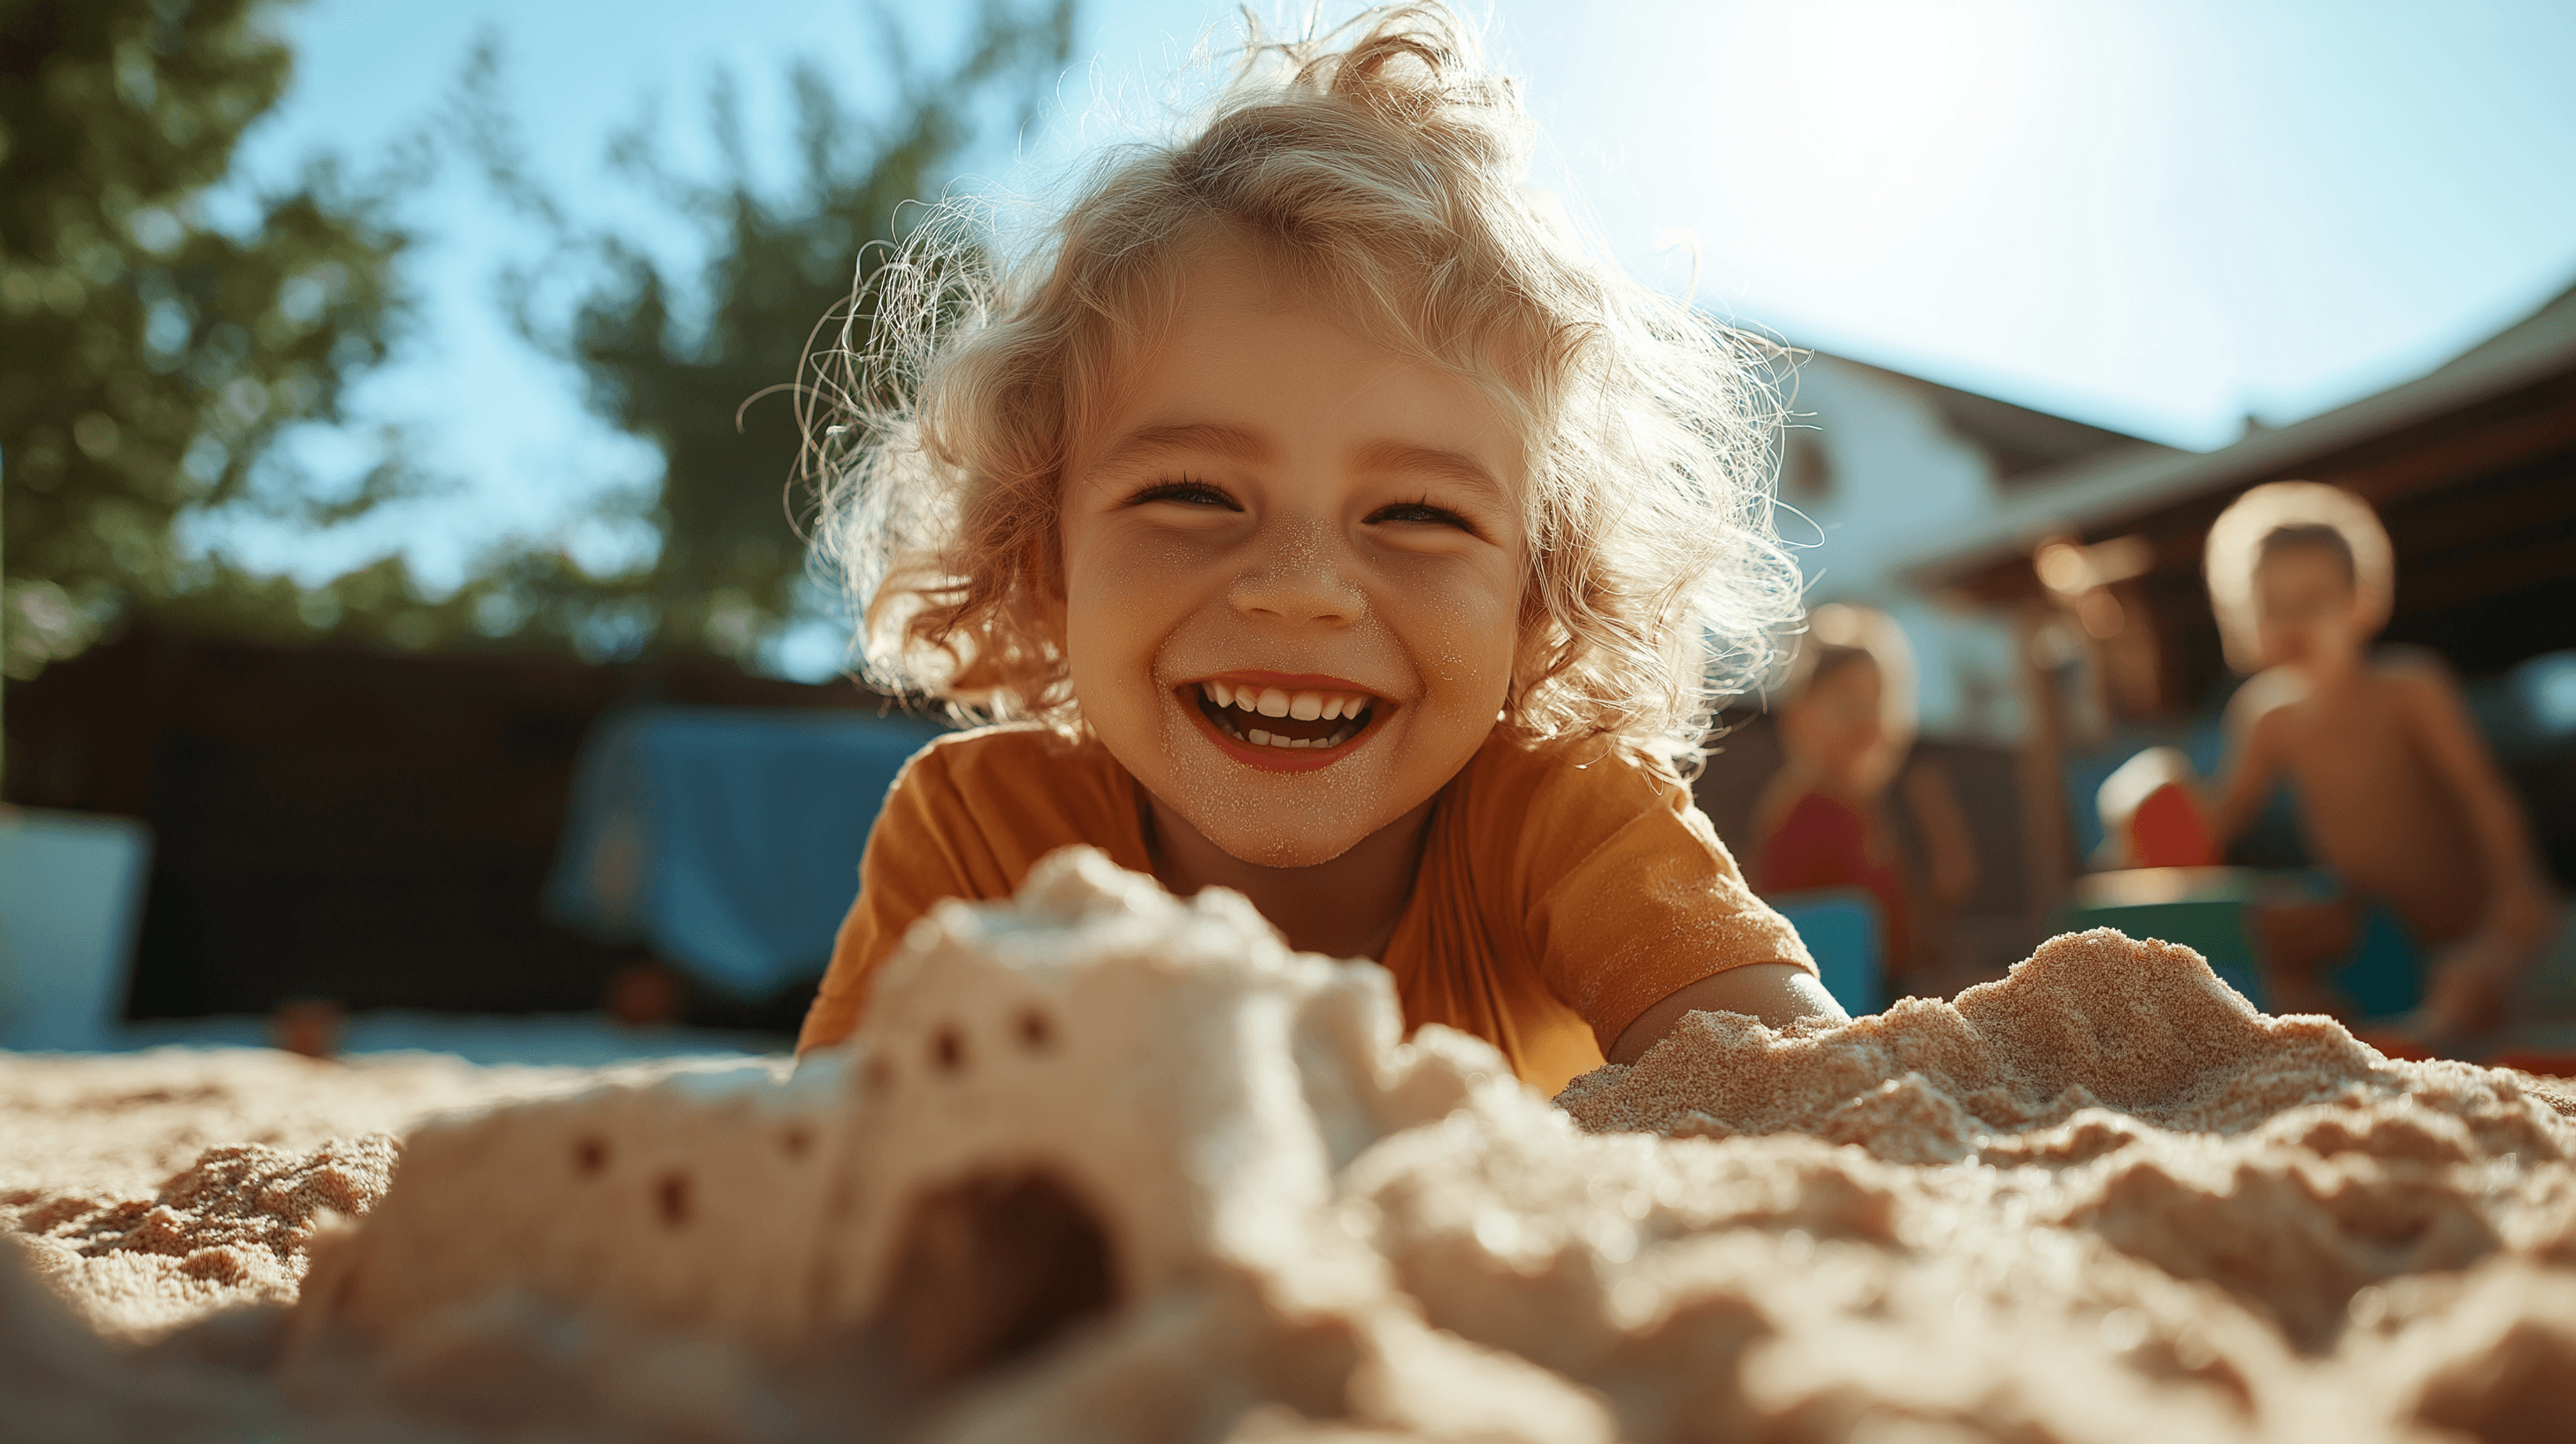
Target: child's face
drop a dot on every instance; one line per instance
(2307, 614)
(1837, 725)
(1282, 512)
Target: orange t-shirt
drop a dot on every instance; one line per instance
(1563, 890)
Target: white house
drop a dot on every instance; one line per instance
(1878, 466)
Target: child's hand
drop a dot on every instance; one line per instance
(2465, 1001)
(1776, 994)
(2473, 981)
(2524, 919)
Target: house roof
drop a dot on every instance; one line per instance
(2506, 400)
(2019, 440)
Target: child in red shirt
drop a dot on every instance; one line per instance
(1846, 720)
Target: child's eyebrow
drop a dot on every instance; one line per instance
(1234, 443)
(1237, 443)
(1425, 460)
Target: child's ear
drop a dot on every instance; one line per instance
(2238, 639)
(1043, 576)
(1530, 651)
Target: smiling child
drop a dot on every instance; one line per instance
(1314, 517)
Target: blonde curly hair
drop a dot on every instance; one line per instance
(1385, 176)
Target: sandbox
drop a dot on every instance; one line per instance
(1104, 1165)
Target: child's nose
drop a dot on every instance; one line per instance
(1299, 580)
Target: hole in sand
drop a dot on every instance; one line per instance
(673, 1194)
(1037, 1030)
(991, 1269)
(589, 1155)
(948, 1049)
(880, 1075)
(795, 1141)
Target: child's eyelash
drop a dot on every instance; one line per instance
(1194, 490)
(1185, 489)
(1436, 511)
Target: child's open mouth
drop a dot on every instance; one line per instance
(1282, 719)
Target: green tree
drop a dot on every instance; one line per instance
(703, 367)
(150, 356)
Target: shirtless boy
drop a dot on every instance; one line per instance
(2396, 791)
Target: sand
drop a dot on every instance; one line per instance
(156, 1187)
(2106, 1087)
(1108, 1166)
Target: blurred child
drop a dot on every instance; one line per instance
(1319, 520)
(2396, 791)
(1846, 721)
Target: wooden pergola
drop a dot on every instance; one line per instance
(2472, 468)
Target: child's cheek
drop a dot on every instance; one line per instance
(1124, 594)
(1460, 616)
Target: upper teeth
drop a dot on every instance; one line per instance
(1272, 702)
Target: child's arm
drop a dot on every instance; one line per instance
(2518, 913)
(2253, 764)
(1776, 993)
(1951, 848)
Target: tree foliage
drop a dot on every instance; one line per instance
(151, 356)
(702, 367)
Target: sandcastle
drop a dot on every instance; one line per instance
(1100, 1106)
(1106, 1165)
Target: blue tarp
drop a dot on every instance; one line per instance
(726, 841)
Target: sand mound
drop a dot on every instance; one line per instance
(1103, 1166)
(119, 1124)
(155, 1187)
(63, 1383)
(2091, 1021)
(2121, 1089)
(227, 1230)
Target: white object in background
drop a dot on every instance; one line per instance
(71, 894)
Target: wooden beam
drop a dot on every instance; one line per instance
(2040, 767)
(2457, 454)
(2498, 569)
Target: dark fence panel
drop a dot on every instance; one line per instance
(367, 827)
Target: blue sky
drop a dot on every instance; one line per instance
(2156, 215)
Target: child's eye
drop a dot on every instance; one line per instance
(1187, 493)
(1422, 513)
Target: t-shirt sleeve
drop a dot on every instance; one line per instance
(966, 818)
(912, 861)
(1630, 897)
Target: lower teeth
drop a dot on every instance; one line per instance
(1259, 738)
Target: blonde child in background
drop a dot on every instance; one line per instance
(1316, 518)
(2397, 794)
